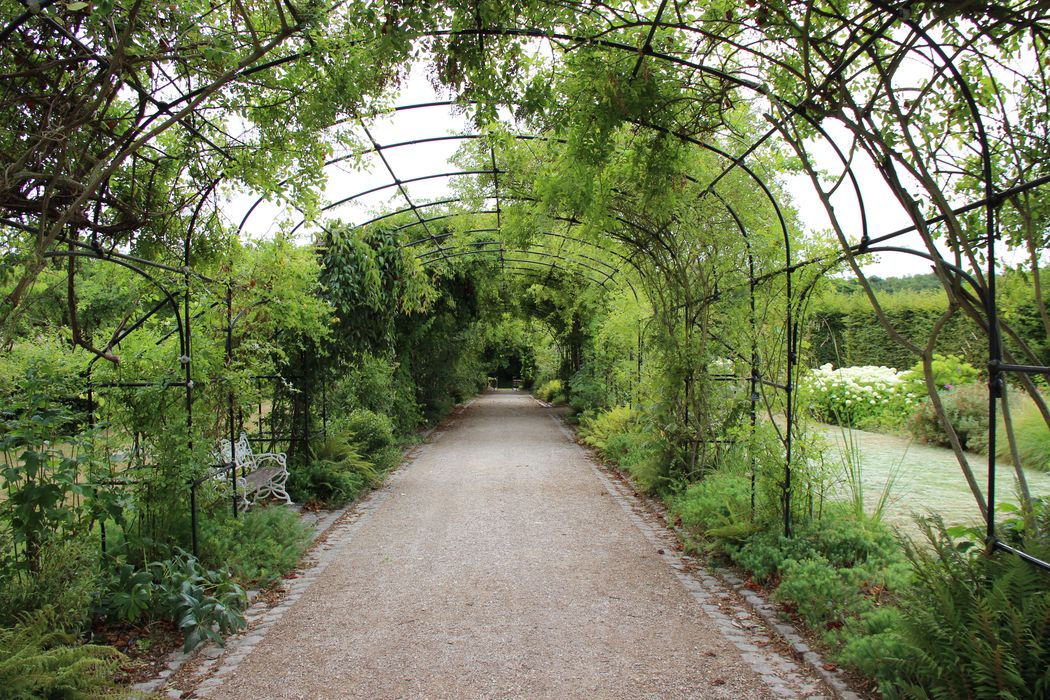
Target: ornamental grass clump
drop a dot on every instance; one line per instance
(859, 397)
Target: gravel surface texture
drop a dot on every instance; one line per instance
(500, 562)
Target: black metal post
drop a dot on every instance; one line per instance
(258, 391)
(753, 383)
(324, 404)
(188, 376)
(193, 516)
(229, 401)
(995, 372)
(91, 424)
(638, 367)
(790, 408)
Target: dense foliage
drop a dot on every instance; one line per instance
(39, 658)
(620, 235)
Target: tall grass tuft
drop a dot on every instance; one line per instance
(853, 477)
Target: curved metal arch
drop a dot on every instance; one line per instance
(759, 88)
(494, 171)
(406, 210)
(470, 249)
(461, 173)
(380, 188)
(385, 147)
(441, 217)
(792, 338)
(550, 234)
(454, 200)
(423, 220)
(794, 109)
(534, 265)
(444, 236)
(439, 251)
(538, 34)
(987, 294)
(533, 269)
(437, 238)
(609, 276)
(139, 271)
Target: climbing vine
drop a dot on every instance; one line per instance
(622, 219)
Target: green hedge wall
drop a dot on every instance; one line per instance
(844, 330)
(842, 327)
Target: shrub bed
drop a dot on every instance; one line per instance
(938, 618)
(621, 438)
(260, 547)
(552, 391)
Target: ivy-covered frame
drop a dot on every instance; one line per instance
(809, 65)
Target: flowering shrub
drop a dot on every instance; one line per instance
(965, 403)
(551, 392)
(859, 397)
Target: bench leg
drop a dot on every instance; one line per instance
(275, 489)
(279, 492)
(244, 500)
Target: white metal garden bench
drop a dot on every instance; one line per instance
(258, 475)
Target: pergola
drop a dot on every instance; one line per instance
(841, 88)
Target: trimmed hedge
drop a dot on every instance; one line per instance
(844, 330)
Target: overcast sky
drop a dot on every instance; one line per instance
(884, 212)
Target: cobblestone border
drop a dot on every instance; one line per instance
(708, 587)
(261, 618)
(333, 531)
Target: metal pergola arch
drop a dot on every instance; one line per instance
(415, 208)
(894, 13)
(991, 200)
(737, 162)
(791, 323)
(483, 248)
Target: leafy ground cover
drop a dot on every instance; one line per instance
(914, 615)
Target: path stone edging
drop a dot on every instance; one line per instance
(703, 583)
(335, 530)
(333, 533)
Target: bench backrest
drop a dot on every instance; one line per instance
(245, 456)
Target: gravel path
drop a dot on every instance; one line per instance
(500, 562)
